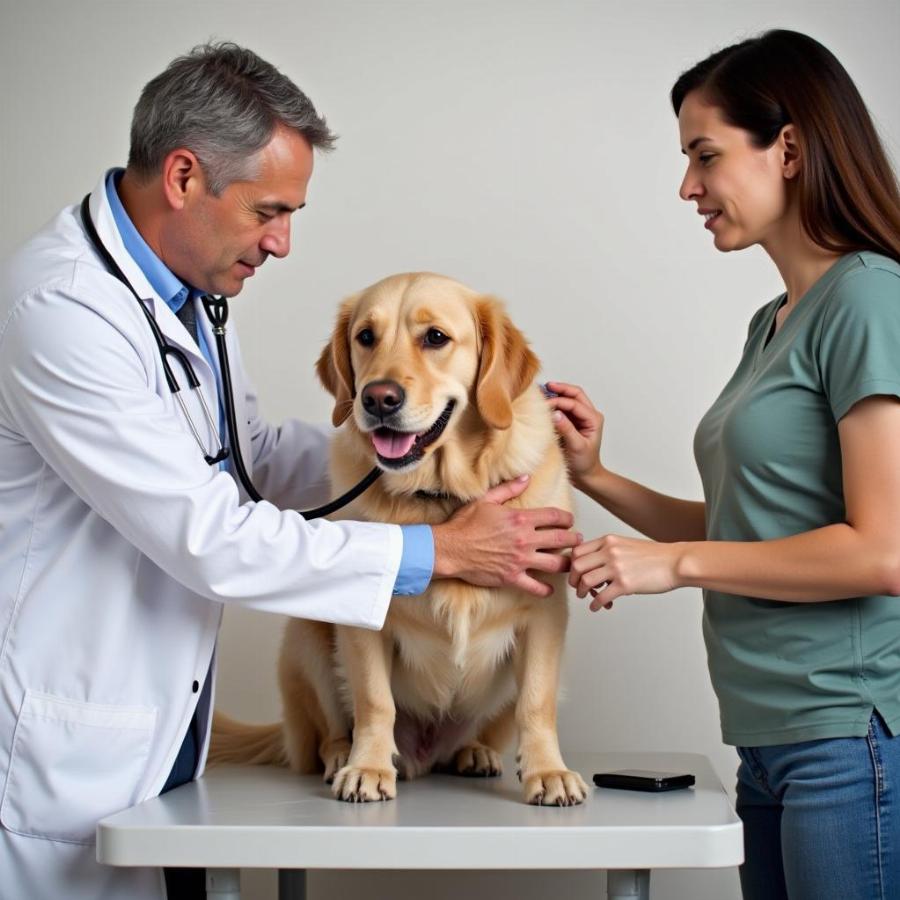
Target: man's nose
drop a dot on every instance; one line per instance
(277, 239)
(381, 398)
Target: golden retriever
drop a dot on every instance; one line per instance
(455, 672)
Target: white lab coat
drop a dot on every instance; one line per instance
(118, 547)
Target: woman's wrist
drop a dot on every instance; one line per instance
(687, 563)
(592, 481)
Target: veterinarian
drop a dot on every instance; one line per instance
(119, 543)
(797, 545)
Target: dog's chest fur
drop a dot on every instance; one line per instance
(453, 654)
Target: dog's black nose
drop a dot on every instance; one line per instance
(381, 398)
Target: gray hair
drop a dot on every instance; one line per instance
(223, 103)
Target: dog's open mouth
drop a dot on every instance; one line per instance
(396, 449)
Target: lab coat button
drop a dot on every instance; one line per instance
(195, 686)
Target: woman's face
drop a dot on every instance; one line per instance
(739, 189)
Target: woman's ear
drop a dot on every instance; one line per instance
(334, 367)
(790, 151)
(506, 364)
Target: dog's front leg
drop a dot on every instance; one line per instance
(370, 773)
(544, 775)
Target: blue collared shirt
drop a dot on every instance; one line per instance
(161, 278)
(417, 558)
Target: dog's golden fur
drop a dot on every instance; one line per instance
(456, 672)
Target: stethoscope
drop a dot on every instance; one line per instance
(217, 312)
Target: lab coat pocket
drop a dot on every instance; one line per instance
(73, 763)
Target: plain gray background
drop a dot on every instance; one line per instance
(528, 149)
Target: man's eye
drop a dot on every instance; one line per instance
(434, 337)
(264, 216)
(366, 337)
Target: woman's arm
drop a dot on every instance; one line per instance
(858, 557)
(658, 516)
(662, 518)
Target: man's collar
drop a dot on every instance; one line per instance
(161, 278)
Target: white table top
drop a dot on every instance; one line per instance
(255, 816)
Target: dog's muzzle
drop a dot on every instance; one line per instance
(399, 449)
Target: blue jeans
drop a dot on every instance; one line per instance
(822, 818)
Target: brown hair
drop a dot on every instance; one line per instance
(849, 198)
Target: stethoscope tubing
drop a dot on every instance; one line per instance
(217, 311)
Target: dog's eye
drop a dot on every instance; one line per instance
(435, 338)
(366, 337)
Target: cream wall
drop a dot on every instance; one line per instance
(528, 149)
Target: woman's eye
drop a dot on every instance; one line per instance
(434, 337)
(366, 337)
(706, 158)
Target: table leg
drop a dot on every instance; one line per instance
(292, 884)
(223, 884)
(628, 884)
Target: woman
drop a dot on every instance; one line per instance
(797, 545)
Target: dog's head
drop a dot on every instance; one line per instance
(411, 354)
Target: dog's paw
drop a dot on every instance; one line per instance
(556, 788)
(478, 761)
(357, 785)
(335, 757)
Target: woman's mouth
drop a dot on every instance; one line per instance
(711, 216)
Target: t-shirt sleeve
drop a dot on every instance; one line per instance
(859, 347)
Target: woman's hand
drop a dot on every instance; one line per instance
(580, 425)
(614, 566)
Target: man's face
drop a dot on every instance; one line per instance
(223, 240)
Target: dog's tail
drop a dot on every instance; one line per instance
(237, 742)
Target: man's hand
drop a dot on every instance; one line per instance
(487, 544)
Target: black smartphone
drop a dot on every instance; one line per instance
(642, 780)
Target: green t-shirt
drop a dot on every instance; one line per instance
(769, 457)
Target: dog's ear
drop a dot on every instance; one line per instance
(506, 367)
(334, 368)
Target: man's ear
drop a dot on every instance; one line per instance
(791, 152)
(182, 177)
(334, 368)
(506, 365)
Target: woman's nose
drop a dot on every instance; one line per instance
(691, 186)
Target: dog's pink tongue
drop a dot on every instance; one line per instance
(392, 444)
